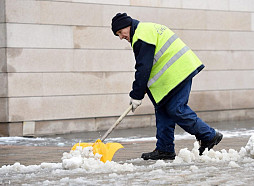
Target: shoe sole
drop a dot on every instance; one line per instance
(159, 158)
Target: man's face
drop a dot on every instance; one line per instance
(124, 33)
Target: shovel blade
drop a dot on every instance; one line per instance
(106, 150)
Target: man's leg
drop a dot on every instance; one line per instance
(165, 138)
(165, 131)
(185, 117)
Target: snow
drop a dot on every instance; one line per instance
(233, 164)
(249, 149)
(82, 167)
(232, 156)
(85, 159)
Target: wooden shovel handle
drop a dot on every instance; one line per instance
(116, 123)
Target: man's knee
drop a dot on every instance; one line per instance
(172, 110)
(179, 113)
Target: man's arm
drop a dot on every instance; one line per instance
(144, 54)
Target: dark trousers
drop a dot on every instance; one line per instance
(176, 111)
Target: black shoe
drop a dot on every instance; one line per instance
(210, 144)
(158, 155)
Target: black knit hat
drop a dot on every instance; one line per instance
(120, 21)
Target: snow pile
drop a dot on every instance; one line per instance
(231, 156)
(249, 148)
(17, 167)
(84, 158)
(80, 158)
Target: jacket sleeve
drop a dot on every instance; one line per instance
(144, 54)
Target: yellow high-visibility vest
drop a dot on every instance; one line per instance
(173, 60)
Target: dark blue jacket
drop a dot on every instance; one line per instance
(144, 54)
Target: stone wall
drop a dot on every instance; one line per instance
(62, 70)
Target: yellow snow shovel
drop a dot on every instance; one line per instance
(106, 150)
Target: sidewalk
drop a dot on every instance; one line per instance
(43, 164)
(30, 155)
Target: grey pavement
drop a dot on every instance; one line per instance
(36, 154)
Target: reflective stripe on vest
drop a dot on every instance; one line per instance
(168, 64)
(164, 48)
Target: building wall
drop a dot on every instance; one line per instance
(63, 70)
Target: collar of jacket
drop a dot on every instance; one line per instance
(134, 26)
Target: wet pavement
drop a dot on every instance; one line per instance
(50, 149)
(30, 151)
(30, 155)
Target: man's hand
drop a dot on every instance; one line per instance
(135, 103)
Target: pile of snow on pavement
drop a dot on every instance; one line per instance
(85, 159)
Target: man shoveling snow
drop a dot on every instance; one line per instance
(165, 67)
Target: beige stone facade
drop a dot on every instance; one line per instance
(62, 70)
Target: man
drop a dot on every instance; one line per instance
(164, 67)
